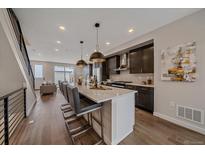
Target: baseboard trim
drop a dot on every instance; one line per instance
(31, 108)
(180, 123)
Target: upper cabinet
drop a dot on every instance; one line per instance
(148, 60)
(105, 74)
(90, 67)
(135, 61)
(142, 60)
(111, 64)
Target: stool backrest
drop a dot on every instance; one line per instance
(59, 83)
(74, 98)
(61, 86)
(65, 93)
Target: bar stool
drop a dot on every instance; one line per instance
(59, 84)
(65, 94)
(82, 107)
(66, 108)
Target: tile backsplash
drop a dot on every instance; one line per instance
(135, 78)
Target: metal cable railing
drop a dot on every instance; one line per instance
(19, 35)
(12, 112)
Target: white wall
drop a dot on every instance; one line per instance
(187, 29)
(13, 70)
(11, 77)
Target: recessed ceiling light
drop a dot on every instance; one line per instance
(107, 43)
(56, 49)
(61, 28)
(59, 42)
(39, 54)
(131, 30)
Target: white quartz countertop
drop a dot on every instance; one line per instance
(100, 96)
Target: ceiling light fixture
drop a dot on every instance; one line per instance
(131, 30)
(56, 49)
(59, 42)
(61, 28)
(81, 62)
(97, 56)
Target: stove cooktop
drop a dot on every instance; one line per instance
(122, 82)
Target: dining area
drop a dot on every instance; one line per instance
(96, 116)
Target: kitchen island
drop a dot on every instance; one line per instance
(118, 111)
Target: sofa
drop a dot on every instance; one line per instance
(48, 89)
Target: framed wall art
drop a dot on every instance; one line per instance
(179, 63)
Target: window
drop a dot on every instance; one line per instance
(69, 75)
(59, 73)
(63, 73)
(59, 68)
(38, 71)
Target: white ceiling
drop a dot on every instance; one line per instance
(40, 28)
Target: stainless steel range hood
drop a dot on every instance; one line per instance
(124, 63)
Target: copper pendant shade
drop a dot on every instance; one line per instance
(81, 62)
(97, 56)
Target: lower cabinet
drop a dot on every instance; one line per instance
(144, 99)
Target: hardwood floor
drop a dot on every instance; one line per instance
(153, 130)
(46, 125)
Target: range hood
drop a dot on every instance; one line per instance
(124, 63)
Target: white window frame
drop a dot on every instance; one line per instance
(64, 71)
(39, 75)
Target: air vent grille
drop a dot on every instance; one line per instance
(191, 114)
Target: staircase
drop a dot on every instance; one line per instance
(17, 104)
(20, 39)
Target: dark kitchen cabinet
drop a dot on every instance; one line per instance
(90, 67)
(135, 62)
(105, 74)
(145, 99)
(113, 63)
(148, 60)
(142, 60)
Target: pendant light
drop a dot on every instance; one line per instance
(81, 62)
(97, 56)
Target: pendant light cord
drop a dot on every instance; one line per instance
(81, 46)
(81, 51)
(97, 45)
